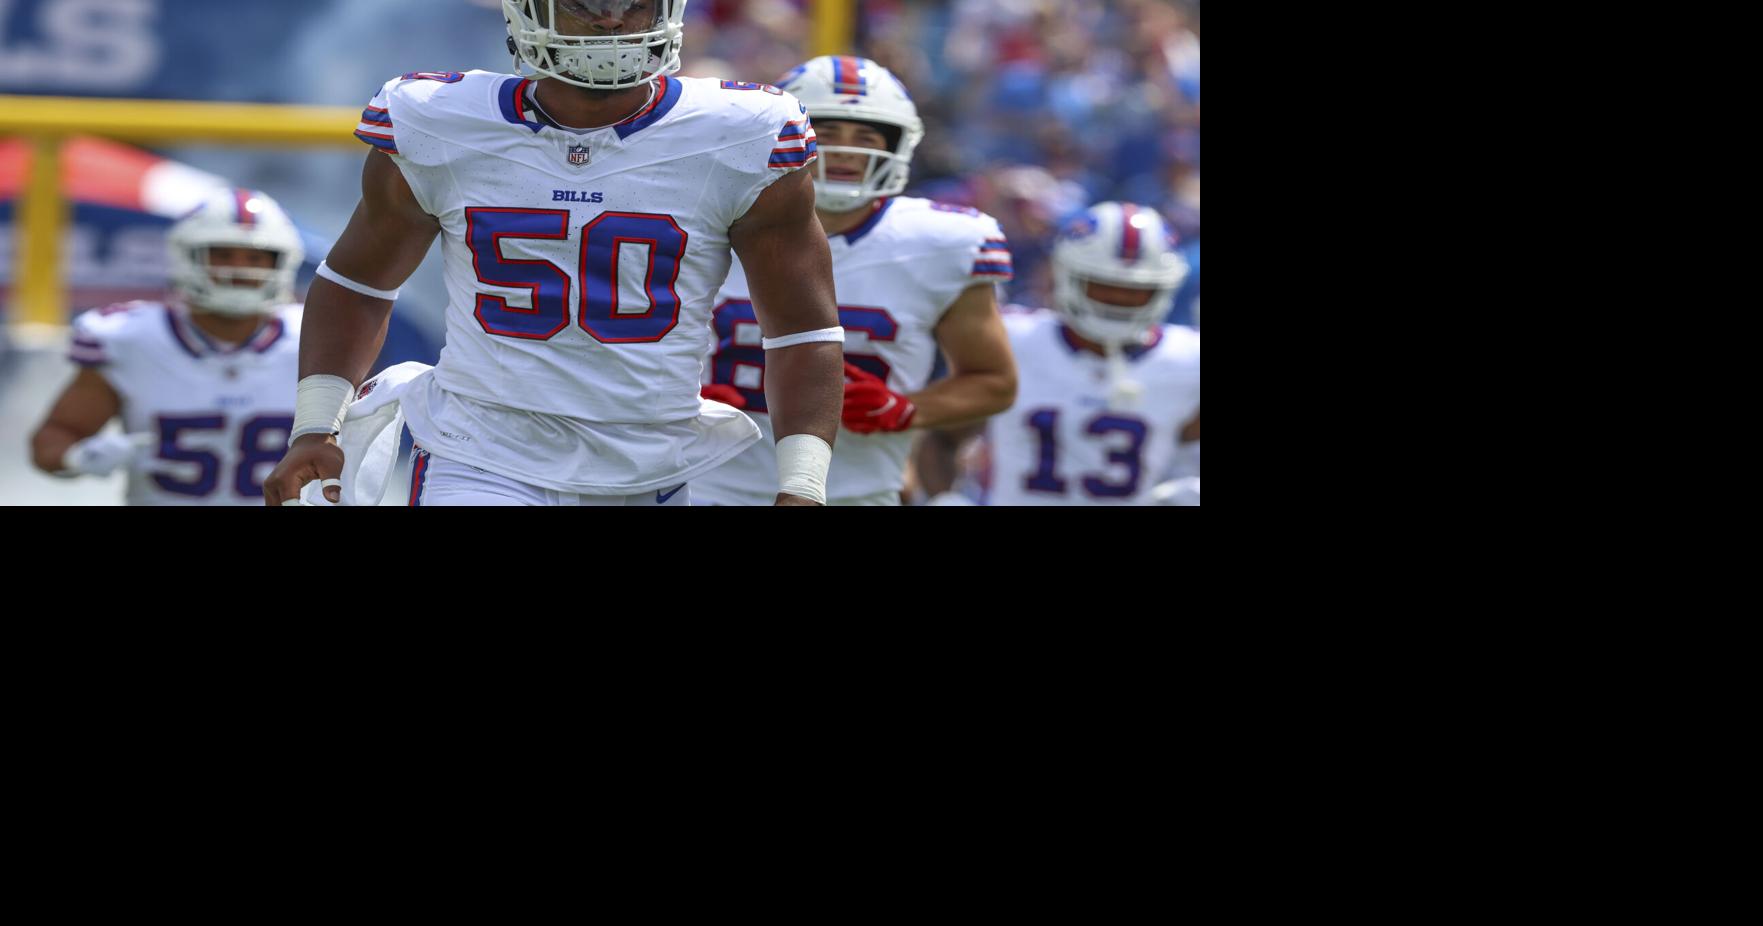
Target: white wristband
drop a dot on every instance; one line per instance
(319, 403)
(802, 461)
(324, 270)
(835, 335)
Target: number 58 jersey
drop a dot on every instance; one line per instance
(581, 267)
(219, 415)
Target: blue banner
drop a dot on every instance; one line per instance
(309, 51)
(146, 48)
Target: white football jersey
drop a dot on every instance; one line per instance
(221, 416)
(581, 270)
(896, 275)
(1061, 444)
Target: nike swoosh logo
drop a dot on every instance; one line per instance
(662, 499)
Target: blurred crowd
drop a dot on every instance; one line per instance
(1033, 109)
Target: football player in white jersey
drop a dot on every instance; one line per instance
(912, 276)
(203, 385)
(1108, 390)
(587, 207)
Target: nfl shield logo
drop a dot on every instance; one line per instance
(578, 154)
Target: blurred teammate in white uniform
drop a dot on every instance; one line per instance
(912, 276)
(1108, 390)
(587, 208)
(204, 385)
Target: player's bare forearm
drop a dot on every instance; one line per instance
(963, 398)
(79, 412)
(805, 388)
(982, 373)
(384, 242)
(790, 272)
(341, 332)
(343, 329)
(49, 446)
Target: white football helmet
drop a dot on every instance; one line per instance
(1119, 244)
(613, 61)
(835, 87)
(236, 219)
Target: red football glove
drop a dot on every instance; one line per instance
(870, 406)
(724, 393)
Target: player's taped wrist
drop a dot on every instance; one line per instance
(802, 462)
(319, 403)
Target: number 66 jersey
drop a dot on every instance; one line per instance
(580, 269)
(896, 274)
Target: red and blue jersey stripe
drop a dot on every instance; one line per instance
(86, 351)
(511, 97)
(667, 95)
(994, 260)
(419, 472)
(376, 127)
(381, 140)
(796, 146)
(879, 209)
(267, 338)
(198, 345)
(186, 336)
